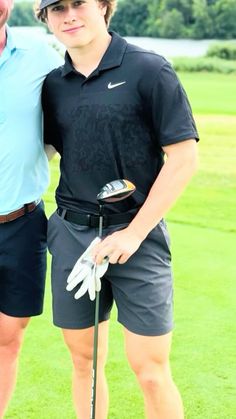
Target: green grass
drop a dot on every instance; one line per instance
(211, 94)
(202, 226)
(210, 198)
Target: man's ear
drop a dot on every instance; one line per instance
(103, 8)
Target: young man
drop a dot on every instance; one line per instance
(24, 64)
(113, 111)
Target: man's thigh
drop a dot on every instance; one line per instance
(66, 242)
(148, 352)
(143, 286)
(80, 342)
(23, 249)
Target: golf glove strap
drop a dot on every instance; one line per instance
(87, 272)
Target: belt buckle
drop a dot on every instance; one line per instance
(93, 220)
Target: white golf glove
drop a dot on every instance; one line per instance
(88, 273)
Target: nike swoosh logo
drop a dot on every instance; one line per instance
(112, 86)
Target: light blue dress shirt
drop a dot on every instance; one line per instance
(24, 63)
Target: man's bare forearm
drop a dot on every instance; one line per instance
(178, 169)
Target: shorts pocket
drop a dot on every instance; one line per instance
(50, 231)
(164, 233)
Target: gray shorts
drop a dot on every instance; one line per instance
(142, 288)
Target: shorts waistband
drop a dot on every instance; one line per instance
(20, 212)
(92, 220)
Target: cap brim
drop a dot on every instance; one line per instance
(46, 3)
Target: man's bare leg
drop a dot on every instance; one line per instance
(151, 366)
(11, 337)
(80, 344)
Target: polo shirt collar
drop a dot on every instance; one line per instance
(10, 45)
(9, 48)
(114, 54)
(112, 58)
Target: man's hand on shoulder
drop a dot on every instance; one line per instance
(50, 151)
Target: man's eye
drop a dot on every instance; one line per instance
(57, 8)
(78, 3)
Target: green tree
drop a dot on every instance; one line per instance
(203, 24)
(131, 18)
(171, 25)
(176, 18)
(152, 20)
(23, 15)
(224, 12)
(183, 6)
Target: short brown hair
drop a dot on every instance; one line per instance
(41, 14)
(111, 8)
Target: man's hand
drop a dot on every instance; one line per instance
(50, 151)
(87, 272)
(118, 246)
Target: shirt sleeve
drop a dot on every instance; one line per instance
(171, 111)
(50, 134)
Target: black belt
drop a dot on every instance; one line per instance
(92, 220)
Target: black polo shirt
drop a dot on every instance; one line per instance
(114, 123)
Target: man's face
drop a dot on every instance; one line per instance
(5, 11)
(77, 23)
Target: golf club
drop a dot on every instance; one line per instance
(112, 192)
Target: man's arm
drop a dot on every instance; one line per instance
(180, 165)
(50, 151)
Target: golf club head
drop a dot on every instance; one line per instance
(116, 191)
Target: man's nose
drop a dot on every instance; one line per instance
(70, 15)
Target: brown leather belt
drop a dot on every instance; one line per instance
(18, 213)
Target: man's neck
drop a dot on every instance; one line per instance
(86, 60)
(3, 39)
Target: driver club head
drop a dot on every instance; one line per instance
(116, 191)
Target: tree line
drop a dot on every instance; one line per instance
(197, 19)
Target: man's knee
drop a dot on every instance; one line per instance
(81, 349)
(9, 349)
(83, 361)
(11, 337)
(82, 364)
(153, 378)
(152, 374)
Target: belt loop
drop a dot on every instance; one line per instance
(26, 210)
(105, 221)
(63, 213)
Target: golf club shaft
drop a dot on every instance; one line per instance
(95, 350)
(112, 192)
(100, 220)
(95, 339)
